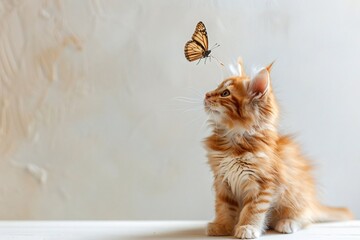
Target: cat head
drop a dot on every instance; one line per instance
(243, 103)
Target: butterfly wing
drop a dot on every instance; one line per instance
(193, 51)
(200, 36)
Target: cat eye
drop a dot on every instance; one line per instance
(225, 93)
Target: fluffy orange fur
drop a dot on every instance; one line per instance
(261, 179)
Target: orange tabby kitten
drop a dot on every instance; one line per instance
(261, 179)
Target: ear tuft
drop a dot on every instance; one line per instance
(260, 84)
(241, 67)
(268, 68)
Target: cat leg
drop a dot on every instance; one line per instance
(288, 225)
(291, 220)
(226, 210)
(252, 217)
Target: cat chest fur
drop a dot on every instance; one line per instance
(238, 172)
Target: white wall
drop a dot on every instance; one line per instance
(89, 124)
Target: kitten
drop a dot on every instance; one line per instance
(261, 179)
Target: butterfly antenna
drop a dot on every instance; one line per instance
(215, 46)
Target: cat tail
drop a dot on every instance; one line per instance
(331, 214)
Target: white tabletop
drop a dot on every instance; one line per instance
(146, 230)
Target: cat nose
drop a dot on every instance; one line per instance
(207, 95)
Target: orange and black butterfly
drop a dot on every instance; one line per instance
(198, 47)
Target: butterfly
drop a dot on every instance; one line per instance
(198, 47)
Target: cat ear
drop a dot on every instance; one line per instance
(270, 66)
(260, 84)
(241, 67)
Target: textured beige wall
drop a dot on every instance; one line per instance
(91, 126)
(60, 98)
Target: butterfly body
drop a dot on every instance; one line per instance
(206, 53)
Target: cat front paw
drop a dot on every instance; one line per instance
(247, 232)
(217, 229)
(287, 226)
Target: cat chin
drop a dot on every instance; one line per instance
(211, 109)
(214, 115)
(216, 118)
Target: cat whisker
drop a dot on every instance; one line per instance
(181, 107)
(191, 109)
(188, 100)
(204, 123)
(184, 109)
